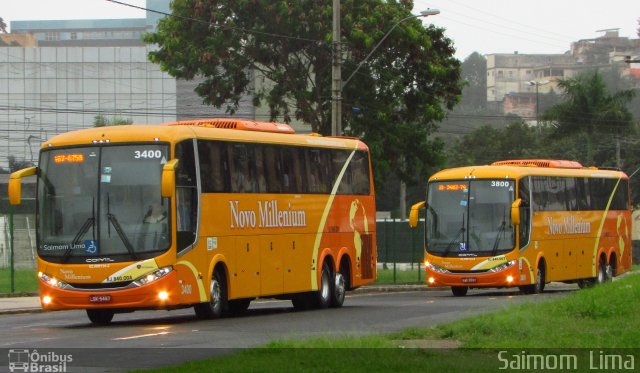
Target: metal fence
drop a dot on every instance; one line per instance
(400, 251)
(17, 258)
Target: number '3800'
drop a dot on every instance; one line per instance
(151, 154)
(500, 183)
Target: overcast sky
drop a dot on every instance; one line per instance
(485, 26)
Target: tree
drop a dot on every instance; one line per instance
(488, 144)
(15, 164)
(3, 26)
(589, 114)
(102, 121)
(400, 92)
(474, 74)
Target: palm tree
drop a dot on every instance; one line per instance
(590, 114)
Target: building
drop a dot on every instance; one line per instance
(515, 81)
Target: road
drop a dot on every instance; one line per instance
(159, 338)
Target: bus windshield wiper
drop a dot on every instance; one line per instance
(501, 231)
(85, 227)
(122, 235)
(89, 223)
(455, 238)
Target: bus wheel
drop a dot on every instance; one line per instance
(339, 290)
(239, 306)
(459, 291)
(538, 287)
(217, 304)
(322, 297)
(610, 270)
(601, 276)
(100, 317)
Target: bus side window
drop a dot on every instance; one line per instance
(525, 211)
(285, 166)
(360, 173)
(213, 167)
(243, 172)
(186, 195)
(271, 171)
(313, 170)
(261, 179)
(293, 169)
(339, 157)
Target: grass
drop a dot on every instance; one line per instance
(386, 276)
(24, 281)
(603, 318)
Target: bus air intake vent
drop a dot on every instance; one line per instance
(547, 163)
(236, 124)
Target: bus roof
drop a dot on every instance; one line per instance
(177, 131)
(520, 168)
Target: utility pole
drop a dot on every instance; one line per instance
(336, 74)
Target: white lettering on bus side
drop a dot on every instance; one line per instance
(241, 218)
(269, 214)
(569, 226)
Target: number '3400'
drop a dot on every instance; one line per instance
(147, 154)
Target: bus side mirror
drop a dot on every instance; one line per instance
(515, 211)
(15, 184)
(415, 213)
(169, 178)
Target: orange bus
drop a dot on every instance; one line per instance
(208, 213)
(525, 223)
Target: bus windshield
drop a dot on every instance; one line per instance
(470, 217)
(102, 202)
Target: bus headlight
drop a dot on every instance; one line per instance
(435, 268)
(52, 281)
(503, 266)
(153, 276)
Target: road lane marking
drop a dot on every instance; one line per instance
(140, 336)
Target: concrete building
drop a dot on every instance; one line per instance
(514, 81)
(49, 90)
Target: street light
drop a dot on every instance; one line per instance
(338, 86)
(537, 84)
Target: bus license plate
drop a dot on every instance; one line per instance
(100, 298)
(469, 280)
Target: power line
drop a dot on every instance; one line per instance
(210, 24)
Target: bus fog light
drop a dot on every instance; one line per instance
(163, 295)
(509, 279)
(46, 299)
(432, 280)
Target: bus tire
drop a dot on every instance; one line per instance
(322, 297)
(610, 269)
(217, 304)
(459, 291)
(100, 316)
(339, 288)
(538, 287)
(601, 275)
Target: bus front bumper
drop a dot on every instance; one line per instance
(505, 278)
(162, 293)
